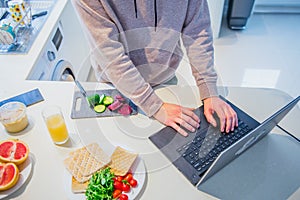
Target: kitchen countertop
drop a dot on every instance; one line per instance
(47, 181)
(163, 181)
(18, 66)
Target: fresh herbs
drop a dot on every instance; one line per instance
(101, 186)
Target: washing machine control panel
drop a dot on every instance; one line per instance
(54, 45)
(57, 38)
(46, 64)
(56, 41)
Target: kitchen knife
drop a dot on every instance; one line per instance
(90, 99)
(82, 90)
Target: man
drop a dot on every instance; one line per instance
(136, 44)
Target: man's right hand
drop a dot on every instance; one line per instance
(175, 116)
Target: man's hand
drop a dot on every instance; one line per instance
(175, 116)
(228, 117)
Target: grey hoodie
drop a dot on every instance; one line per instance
(136, 44)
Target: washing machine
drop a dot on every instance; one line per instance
(66, 54)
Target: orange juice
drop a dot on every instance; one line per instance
(57, 128)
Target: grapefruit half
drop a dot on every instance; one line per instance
(14, 151)
(9, 175)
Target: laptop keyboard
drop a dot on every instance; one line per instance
(204, 148)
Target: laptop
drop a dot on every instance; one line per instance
(200, 155)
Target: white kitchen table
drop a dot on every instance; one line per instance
(163, 181)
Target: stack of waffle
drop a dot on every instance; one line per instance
(84, 162)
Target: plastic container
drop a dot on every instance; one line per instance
(13, 116)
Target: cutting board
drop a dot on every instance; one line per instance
(82, 109)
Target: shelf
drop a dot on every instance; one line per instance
(26, 36)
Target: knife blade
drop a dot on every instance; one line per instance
(82, 90)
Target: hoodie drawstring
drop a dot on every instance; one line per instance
(155, 15)
(155, 12)
(135, 8)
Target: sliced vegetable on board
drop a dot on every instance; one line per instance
(100, 108)
(102, 98)
(108, 100)
(93, 99)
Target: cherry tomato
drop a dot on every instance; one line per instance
(123, 197)
(128, 177)
(116, 193)
(118, 185)
(118, 178)
(125, 187)
(133, 182)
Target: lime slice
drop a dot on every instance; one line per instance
(108, 100)
(100, 108)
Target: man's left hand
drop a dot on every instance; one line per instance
(227, 116)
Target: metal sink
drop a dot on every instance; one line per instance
(26, 36)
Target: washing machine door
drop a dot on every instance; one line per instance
(63, 72)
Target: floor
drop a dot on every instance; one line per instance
(266, 54)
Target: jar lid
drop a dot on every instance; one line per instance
(12, 111)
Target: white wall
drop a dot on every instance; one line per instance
(216, 13)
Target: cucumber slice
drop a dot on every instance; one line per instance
(100, 108)
(108, 100)
(93, 99)
(102, 98)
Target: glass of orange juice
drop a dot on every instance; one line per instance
(56, 124)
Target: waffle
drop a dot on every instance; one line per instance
(75, 171)
(79, 187)
(85, 161)
(90, 159)
(121, 161)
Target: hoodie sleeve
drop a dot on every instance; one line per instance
(110, 56)
(197, 38)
